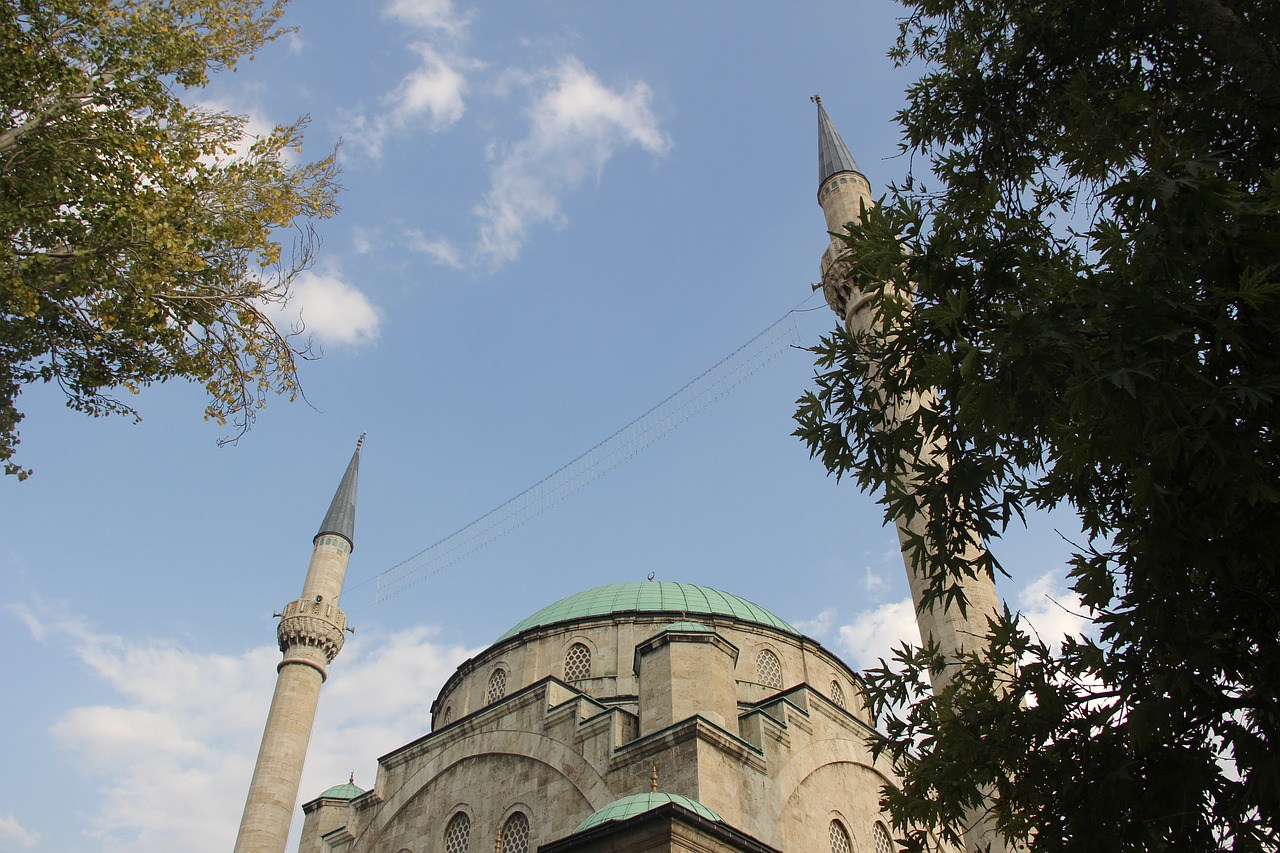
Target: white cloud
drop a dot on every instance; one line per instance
(435, 89)
(873, 581)
(432, 93)
(438, 15)
(439, 249)
(578, 124)
(255, 127)
(874, 634)
(13, 832)
(330, 308)
(171, 756)
(819, 627)
(29, 619)
(1050, 610)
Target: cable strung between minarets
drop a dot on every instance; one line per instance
(310, 635)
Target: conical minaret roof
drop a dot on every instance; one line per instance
(340, 520)
(833, 154)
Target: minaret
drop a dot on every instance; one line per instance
(310, 635)
(843, 191)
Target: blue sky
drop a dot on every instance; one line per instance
(556, 214)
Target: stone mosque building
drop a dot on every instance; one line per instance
(630, 717)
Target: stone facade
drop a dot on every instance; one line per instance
(762, 726)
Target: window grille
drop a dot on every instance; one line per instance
(837, 694)
(769, 669)
(884, 844)
(497, 686)
(840, 838)
(457, 834)
(515, 834)
(577, 663)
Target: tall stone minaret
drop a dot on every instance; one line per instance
(843, 191)
(310, 635)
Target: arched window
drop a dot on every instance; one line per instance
(884, 844)
(457, 834)
(577, 663)
(768, 669)
(447, 716)
(497, 686)
(840, 838)
(515, 834)
(837, 694)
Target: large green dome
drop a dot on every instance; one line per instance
(649, 597)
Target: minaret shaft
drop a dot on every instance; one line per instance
(310, 635)
(844, 193)
(273, 792)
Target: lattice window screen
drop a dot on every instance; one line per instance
(515, 834)
(769, 669)
(884, 844)
(577, 663)
(457, 834)
(497, 686)
(839, 839)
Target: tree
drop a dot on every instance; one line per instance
(140, 241)
(1096, 300)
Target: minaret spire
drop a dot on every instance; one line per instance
(833, 154)
(340, 520)
(310, 635)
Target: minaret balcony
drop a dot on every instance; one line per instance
(314, 623)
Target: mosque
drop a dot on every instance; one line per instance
(628, 718)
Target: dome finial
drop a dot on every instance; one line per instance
(653, 782)
(816, 98)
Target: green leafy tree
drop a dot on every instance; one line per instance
(140, 241)
(1096, 280)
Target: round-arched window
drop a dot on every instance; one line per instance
(840, 838)
(497, 686)
(837, 694)
(884, 844)
(447, 716)
(515, 834)
(768, 669)
(577, 663)
(457, 835)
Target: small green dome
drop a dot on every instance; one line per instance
(638, 804)
(345, 791)
(649, 597)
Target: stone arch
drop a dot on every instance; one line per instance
(529, 746)
(852, 787)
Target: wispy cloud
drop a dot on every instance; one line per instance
(13, 833)
(577, 124)
(171, 755)
(431, 95)
(439, 249)
(818, 627)
(429, 15)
